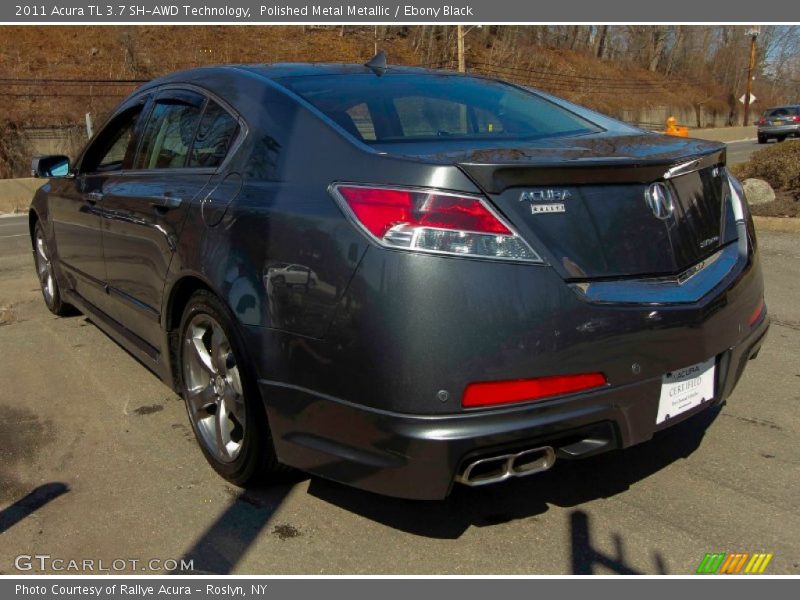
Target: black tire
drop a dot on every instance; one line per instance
(762, 139)
(45, 271)
(780, 138)
(255, 458)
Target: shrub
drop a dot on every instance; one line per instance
(15, 158)
(778, 164)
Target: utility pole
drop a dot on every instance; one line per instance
(461, 33)
(462, 62)
(753, 33)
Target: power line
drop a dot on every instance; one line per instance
(58, 95)
(45, 81)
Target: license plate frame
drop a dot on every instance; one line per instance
(686, 388)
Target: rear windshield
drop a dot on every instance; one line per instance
(784, 111)
(420, 107)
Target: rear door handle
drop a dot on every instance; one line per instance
(167, 202)
(94, 197)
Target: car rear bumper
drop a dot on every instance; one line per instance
(779, 130)
(420, 456)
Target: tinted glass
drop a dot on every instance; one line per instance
(214, 137)
(108, 152)
(786, 111)
(413, 107)
(168, 136)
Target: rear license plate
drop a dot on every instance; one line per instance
(683, 389)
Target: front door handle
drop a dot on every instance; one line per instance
(167, 202)
(94, 197)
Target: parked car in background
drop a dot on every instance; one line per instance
(778, 123)
(403, 279)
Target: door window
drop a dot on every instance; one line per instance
(167, 137)
(215, 135)
(109, 151)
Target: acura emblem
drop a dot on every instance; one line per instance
(659, 199)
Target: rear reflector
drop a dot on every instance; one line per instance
(757, 313)
(492, 393)
(432, 221)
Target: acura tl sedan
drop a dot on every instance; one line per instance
(403, 279)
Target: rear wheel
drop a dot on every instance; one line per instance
(46, 274)
(221, 395)
(762, 139)
(780, 138)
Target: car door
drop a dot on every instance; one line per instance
(145, 208)
(76, 210)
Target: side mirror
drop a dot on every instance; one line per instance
(53, 165)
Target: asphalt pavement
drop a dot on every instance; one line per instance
(739, 152)
(97, 462)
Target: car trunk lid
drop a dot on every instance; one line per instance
(583, 202)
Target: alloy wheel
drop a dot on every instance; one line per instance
(44, 268)
(213, 388)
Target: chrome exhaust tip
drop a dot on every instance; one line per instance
(485, 471)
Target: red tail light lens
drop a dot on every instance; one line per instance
(432, 221)
(493, 393)
(796, 118)
(758, 313)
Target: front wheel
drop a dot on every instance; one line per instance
(46, 273)
(781, 138)
(221, 396)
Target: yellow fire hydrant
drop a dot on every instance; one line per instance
(674, 129)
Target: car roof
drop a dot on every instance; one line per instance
(784, 106)
(277, 71)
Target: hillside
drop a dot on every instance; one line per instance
(640, 74)
(568, 67)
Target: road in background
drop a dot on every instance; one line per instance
(739, 152)
(92, 445)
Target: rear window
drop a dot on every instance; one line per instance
(784, 111)
(413, 107)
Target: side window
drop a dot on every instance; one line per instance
(168, 135)
(362, 121)
(215, 135)
(109, 150)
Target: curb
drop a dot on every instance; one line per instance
(782, 224)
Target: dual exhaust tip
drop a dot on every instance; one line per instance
(485, 471)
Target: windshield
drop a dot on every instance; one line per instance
(405, 107)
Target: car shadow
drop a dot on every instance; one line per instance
(568, 484)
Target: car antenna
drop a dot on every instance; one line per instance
(377, 64)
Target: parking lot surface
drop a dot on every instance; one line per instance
(98, 463)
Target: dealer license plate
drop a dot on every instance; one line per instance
(683, 389)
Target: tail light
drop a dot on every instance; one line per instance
(492, 393)
(796, 118)
(758, 313)
(433, 221)
(741, 210)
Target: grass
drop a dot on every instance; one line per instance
(16, 194)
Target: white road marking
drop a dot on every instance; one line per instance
(2, 237)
